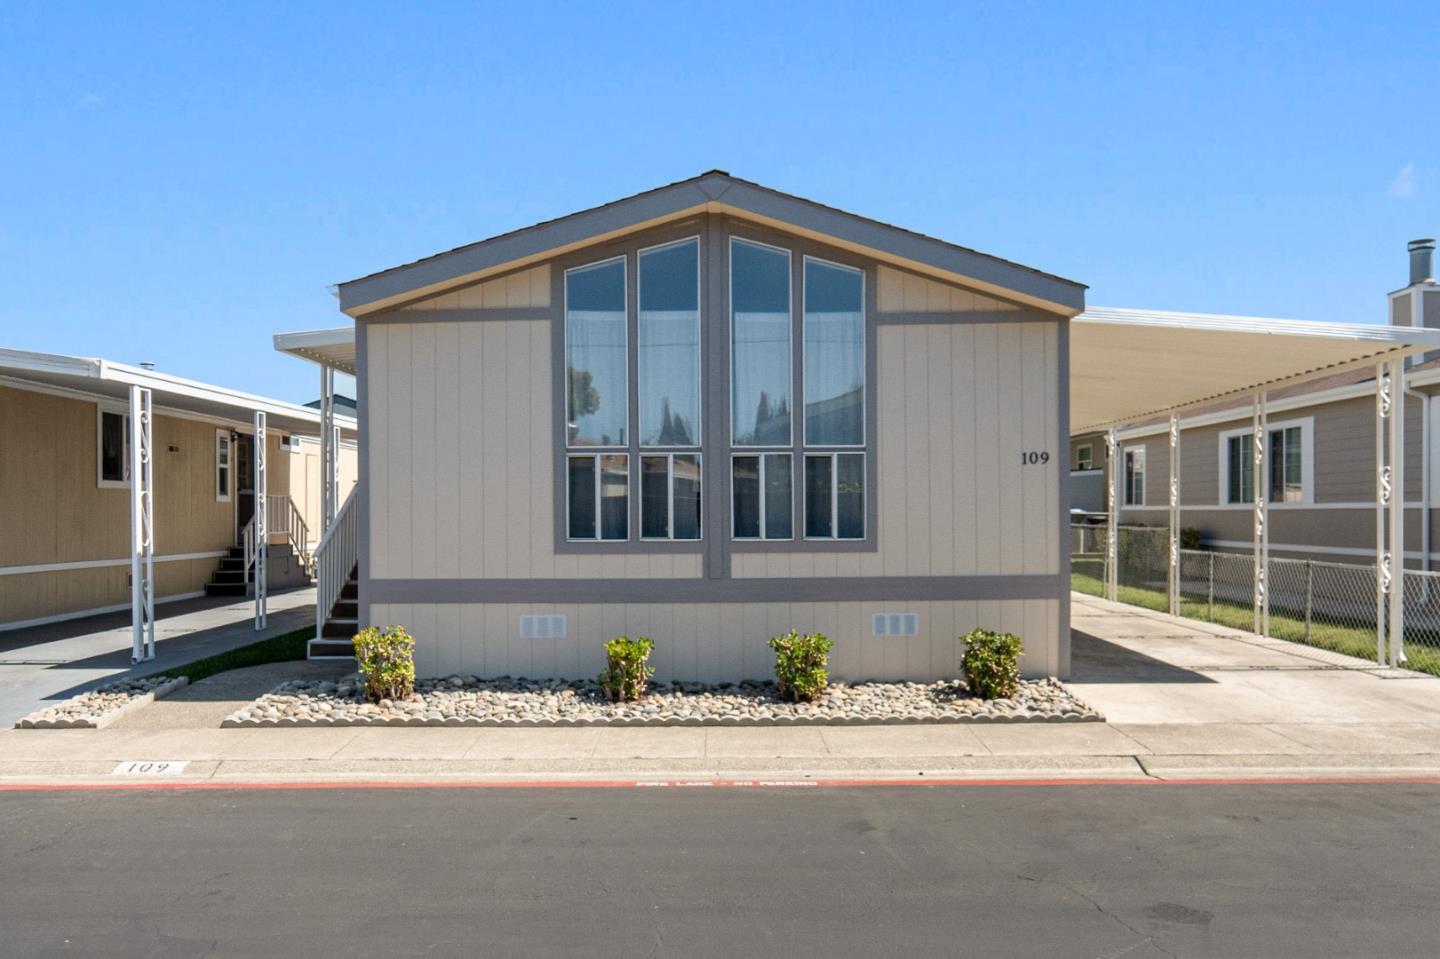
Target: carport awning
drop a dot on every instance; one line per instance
(333, 347)
(1131, 365)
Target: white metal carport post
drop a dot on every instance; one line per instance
(1259, 487)
(262, 525)
(142, 528)
(1382, 506)
(1397, 511)
(329, 452)
(1112, 520)
(1174, 515)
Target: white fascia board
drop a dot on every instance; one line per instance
(1335, 394)
(193, 389)
(1396, 336)
(310, 339)
(28, 362)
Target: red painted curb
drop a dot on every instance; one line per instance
(723, 783)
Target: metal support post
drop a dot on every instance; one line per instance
(262, 522)
(1112, 519)
(1259, 448)
(1382, 504)
(1174, 515)
(142, 528)
(329, 452)
(1210, 590)
(1309, 595)
(1397, 512)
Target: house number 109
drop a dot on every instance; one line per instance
(1034, 457)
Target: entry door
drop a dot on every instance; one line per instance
(244, 481)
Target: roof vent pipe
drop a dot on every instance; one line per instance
(150, 364)
(1422, 260)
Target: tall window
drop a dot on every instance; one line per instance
(834, 328)
(760, 370)
(1135, 476)
(1240, 469)
(113, 448)
(595, 355)
(669, 333)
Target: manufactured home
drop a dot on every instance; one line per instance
(65, 479)
(707, 414)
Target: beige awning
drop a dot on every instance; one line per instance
(1130, 365)
(333, 347)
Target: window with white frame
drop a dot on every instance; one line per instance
(835, 496)
(1287, 457)
(764, 499)
(598, 494)
(1084, 457)
(112, 447)
(1135, 476)
(596, 344)
(222, 466)
(670, 496)
(669, 347)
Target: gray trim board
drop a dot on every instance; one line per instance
(1062, 429)
(702, 590)
(699, 194)
(473, 315)
(362, 415)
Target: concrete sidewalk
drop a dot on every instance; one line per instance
(1184, 700)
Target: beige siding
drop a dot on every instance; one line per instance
(958, 403)
(461, 462)
(901, 292)
(528, 288)
(304, 480)
(57, 513)
(709, 642)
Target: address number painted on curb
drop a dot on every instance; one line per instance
(151, 767)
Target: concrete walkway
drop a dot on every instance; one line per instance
(1184, 700)
(44, 664)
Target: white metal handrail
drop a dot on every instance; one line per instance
(286, 520)
(247, 542)
(335, 557)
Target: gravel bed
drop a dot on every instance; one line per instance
(467, 701)
(102, 705)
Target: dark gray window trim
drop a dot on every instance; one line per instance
(706, 192)
(628, 247)
(812, 589)
(363, 453)
(800, 248)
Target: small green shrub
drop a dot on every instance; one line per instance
(1191, 538)
(800, 665)
(626, 668)
(992, 663)
(388, 661)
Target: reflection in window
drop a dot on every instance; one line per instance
(598, 497)
(834, 331)
(669, 334)
(114, 447)
(763, 499)
(760, 371)
(670, 496)
(595, 359)
(835, 496)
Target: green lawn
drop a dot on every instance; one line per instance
(1337, 637)
(276, 649)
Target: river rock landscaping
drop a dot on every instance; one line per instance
(468, 701)
(102, 705)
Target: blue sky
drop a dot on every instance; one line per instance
(178, 182)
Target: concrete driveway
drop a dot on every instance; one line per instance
(1143, 667)
(44, 664)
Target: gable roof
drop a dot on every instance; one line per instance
(713, 192)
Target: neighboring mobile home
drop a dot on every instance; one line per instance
(65, 478)
(1321, 486)
(707, 414)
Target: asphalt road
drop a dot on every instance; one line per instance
(1089, 871)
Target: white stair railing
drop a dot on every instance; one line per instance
(335, 558)
(247, 542)
(286, 520)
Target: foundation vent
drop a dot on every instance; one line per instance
(542, 626)
(896, 624)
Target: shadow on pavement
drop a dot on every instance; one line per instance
(1093, 660)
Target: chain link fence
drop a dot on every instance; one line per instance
(1327, 606)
